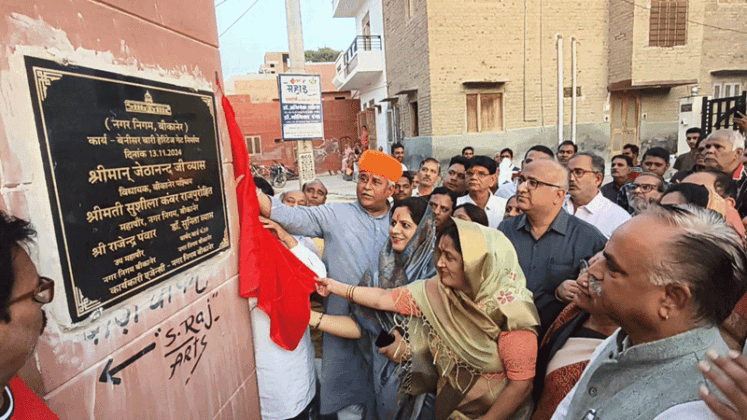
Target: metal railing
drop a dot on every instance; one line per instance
(363, 43)
(720, 113)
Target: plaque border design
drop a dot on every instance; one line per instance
(42, 79)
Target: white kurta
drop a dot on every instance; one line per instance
(286, 379)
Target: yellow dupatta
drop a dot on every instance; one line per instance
(456, 340)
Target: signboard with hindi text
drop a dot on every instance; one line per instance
(133, 169)
(301, 106)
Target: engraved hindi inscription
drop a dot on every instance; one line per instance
(133, 169)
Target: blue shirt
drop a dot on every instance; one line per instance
(553, 258)
(353, 240)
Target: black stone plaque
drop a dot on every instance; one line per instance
(135, 179)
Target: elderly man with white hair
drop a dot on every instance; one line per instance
(723, 153)
(668, 278)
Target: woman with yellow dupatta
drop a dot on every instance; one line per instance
(471, 334)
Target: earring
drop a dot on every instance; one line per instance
(664, 315)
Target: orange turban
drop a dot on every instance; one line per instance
(379, 163)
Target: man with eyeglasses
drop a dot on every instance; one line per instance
(648, 188)
(455, 176)
(585, 200)
(22, 320)
(550, 243)
(480, 176)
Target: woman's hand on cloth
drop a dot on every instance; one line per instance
(326, 286)
(729, 375)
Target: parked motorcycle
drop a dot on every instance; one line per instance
(290, 174)
(278, 177)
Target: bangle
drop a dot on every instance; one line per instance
(350, 291)
(319, 321)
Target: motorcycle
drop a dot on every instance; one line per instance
(290, 174)
(278, 178)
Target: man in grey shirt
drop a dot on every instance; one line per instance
(550, 242)
(354, 234)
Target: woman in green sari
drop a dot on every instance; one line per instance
(470, 332)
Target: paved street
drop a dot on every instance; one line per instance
(339, 190)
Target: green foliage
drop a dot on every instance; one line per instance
(321, 55)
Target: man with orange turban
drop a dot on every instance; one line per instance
(354, 234)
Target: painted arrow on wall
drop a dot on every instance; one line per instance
(108, 374)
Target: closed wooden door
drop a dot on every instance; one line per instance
(624, 121)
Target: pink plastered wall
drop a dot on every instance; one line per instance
(212, 377)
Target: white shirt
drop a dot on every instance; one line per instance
(404, 168)
(599, 212)
(694, 410)
(286, 379)
(495, 208)
(506, 190)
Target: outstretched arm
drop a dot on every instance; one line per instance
(339, 325)
(372, 297)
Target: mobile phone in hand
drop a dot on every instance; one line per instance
(384, 339)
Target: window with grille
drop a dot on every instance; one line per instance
(668, 25)
(253, 144)
(484, 112)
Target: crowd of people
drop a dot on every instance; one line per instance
(497, 292)
(538, 292)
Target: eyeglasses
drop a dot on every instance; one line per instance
(478, 174)
(44, 293)
(644, 187)
(578, 172)
(532, 183)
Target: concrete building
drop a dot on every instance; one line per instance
(361, 68)
(275, 62)
(485, 73)
(255, 100)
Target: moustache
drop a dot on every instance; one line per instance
(595, 286)
(44, 322)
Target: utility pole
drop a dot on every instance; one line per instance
(304, 148)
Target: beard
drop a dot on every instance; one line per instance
(44, 322)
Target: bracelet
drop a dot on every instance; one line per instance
(350, 291)
(319, 321)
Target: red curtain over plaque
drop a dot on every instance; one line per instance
(267, 269)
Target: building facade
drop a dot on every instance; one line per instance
(361, 68)
(255, 100)
(485, 73)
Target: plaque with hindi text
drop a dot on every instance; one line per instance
(135, 180)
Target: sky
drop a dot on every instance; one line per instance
(264, 29)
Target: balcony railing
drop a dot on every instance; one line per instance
(363, 43)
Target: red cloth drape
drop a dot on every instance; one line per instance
(267, 269)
